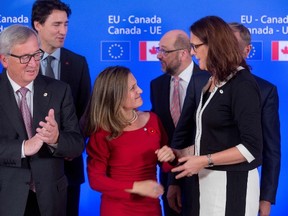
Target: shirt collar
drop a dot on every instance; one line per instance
(187, 73)
(16, 87)
(55, 54)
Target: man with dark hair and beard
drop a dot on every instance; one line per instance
(174, 53)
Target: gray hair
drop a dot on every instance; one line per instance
(243, 31)
(13, 35)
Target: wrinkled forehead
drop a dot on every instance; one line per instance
(28, 46)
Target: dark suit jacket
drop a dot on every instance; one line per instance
(75, 72)
(47, 168)
(184, 134)
(271, 140)
(160, 100)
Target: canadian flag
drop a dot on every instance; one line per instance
(279, 50)
(147, 50)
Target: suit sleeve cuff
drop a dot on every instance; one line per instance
(22, 149)
(244, 151)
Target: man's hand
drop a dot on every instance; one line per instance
(264, 208)
(49, 131)
(174, 198)
(32, 145)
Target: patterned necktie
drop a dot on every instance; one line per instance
(25, 111)
(175, 103)
(49, 69)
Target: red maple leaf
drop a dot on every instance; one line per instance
(153, 50)
(285, 50)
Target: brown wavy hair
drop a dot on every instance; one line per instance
(224, 55)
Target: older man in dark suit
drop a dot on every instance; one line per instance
(270, 128)
(50, 20)
(176, 61)
(38, 130)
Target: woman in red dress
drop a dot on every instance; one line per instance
(125, 146)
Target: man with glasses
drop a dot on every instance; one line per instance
(39, 128)
(270, 128)
(24, 59)
(174, 53)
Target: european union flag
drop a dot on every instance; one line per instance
(115, 50)
(256, 52)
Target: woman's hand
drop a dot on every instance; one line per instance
(165, 154)
(147, 188)
(190, 165)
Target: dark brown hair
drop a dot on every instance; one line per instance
(41, 9)
(224, 55)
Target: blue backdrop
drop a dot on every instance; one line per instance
(113, 32)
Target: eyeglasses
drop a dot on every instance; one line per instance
(196, 46)
(166, 52)
(24, 59)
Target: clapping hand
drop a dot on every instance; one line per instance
(49, 131)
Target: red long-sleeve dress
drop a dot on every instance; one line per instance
(114, 165)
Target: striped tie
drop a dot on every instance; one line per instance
(26, 114)
(25, 111)
(175, 103)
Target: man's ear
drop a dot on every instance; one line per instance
(37, 25)
(4, 60)
(248, 49)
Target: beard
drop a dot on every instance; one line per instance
(173, 68)
(170, 71)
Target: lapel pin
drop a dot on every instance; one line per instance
(221, 91)
(45, 94)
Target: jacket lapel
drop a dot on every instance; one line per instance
(166, 96)
(41, 100)
(65, 65)
(10, 106)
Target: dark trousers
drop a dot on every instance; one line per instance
(167, 210)
(73, 197)
(32, 208)
(189, 195)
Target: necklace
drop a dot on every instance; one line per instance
(134, 117)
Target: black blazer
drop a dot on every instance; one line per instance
(232, 116)
(160, 100)
(75, 72)
(47, 168)
(271, 140)
(184, 134)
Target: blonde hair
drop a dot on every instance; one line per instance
(104, 108)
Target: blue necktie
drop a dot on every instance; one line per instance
(49, 69)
